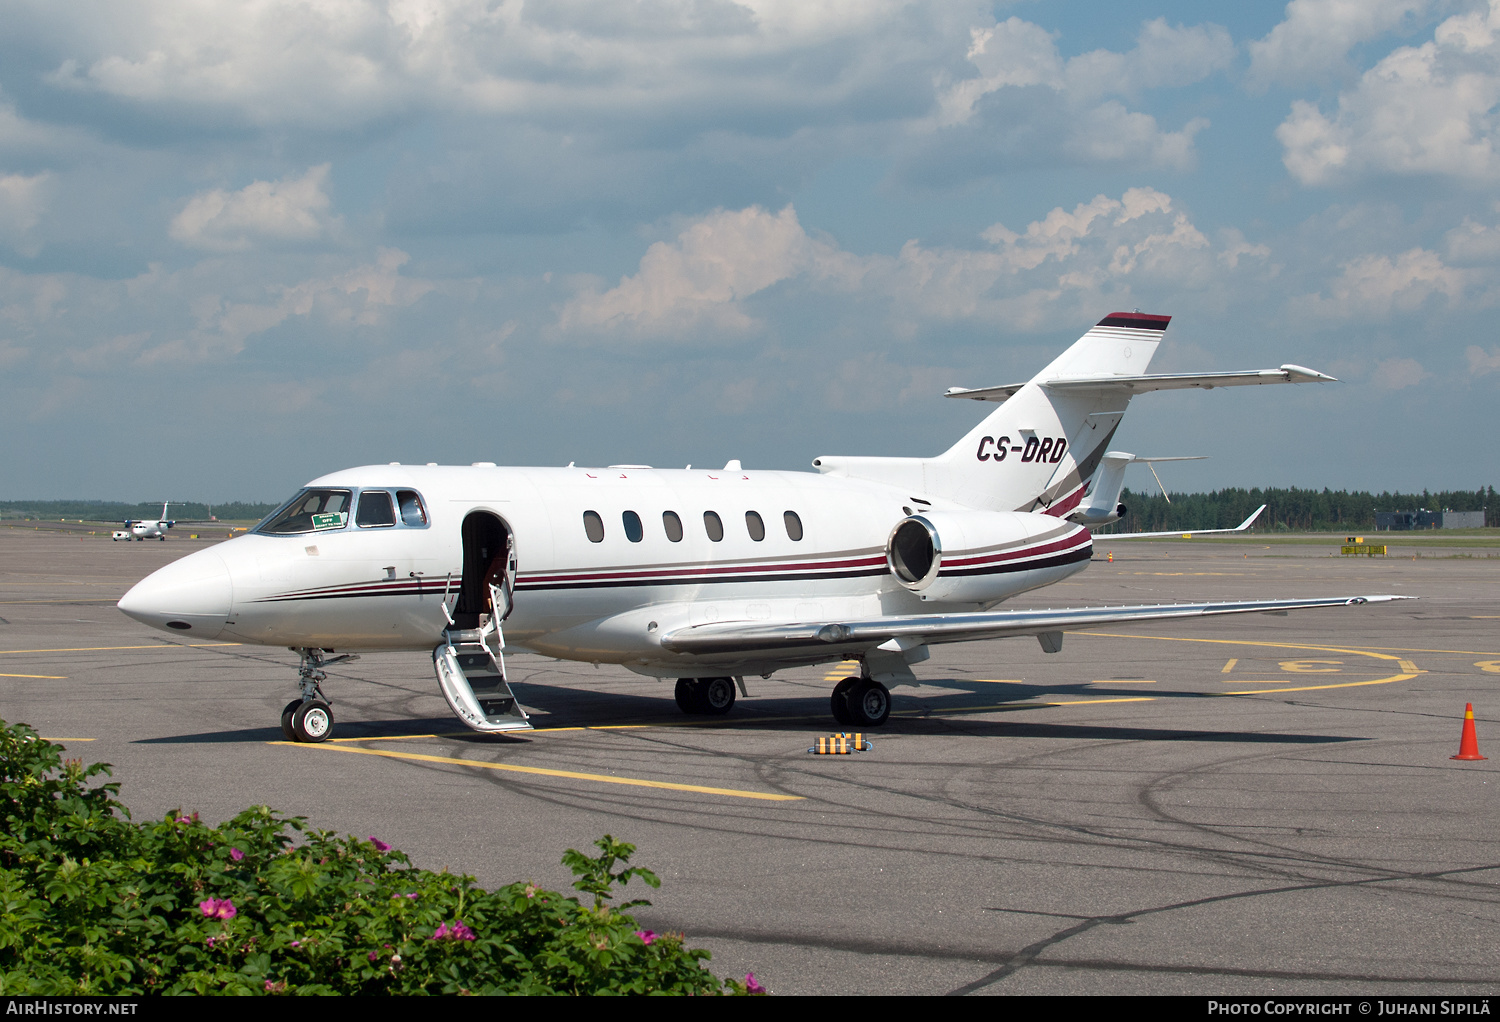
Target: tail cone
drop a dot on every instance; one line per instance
(1468, 744)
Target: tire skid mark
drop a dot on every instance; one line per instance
(1031, 952)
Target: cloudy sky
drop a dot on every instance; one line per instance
(245, 244)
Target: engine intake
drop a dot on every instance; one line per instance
(982, 556)
(914, 553)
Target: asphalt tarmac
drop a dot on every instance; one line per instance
(1257, 805)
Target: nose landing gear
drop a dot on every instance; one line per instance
(310, 718)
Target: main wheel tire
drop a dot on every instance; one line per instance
(687, 695)
(869, 704)
(839, 701)
(716, 695)
(312, 721)
(286, 719)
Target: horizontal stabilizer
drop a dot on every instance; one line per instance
(1141, 384)
(750, 636)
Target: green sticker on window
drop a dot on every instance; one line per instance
(333, 520)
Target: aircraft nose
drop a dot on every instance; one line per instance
(192, 596)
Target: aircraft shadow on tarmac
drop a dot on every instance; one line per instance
(560, 706)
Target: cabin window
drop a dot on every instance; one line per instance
(375, 510)
(793, 526)
(633, 530)
(673, 525)
(593, 526)
(713, 526)
(756, 527)
(412, 511)
(310, 511)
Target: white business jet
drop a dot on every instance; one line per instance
(143, 530)
(706, 576)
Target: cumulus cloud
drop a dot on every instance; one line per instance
(1015, 54)
(1473, 242)
(1398, 373)
(1425, 109)
(1482, 362)
(289, 210)
(346, 62)
(1316, 35)
(1028, 101)
(361, 296)
(704, 275)
(23, 200)
(1374, 286)
(1090, 254)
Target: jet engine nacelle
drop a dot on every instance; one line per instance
(981, 556)
(1098, 515)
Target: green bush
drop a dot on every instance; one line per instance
(93, 903)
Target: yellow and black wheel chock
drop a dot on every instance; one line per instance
(840, 744)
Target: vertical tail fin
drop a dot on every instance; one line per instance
(1039, 450)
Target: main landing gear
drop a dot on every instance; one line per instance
(705, 695)
(860, 702)
(310, 718)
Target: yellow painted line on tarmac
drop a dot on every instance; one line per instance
(533, 731)
(96, 649)
(1315, 688)
(46, 739)
(1404, 664)
(1460, 652)
(1229, 665)
(48, 677)
(1019, 706)
(1249, 642)
(636, 782)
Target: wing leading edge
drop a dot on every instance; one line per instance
(1181, 534)
(910, 630)
(1141, 384)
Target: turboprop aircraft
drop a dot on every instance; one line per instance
(143, 530)
(706, 576)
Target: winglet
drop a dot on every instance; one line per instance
(1246, 523)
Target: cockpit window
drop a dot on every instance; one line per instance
(310, 511)
(412, 511)
(375, 510)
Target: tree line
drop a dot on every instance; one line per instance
(117, 511)
(1291, 509)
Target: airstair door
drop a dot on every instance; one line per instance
(471, 675)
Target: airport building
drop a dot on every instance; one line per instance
(1406, 521)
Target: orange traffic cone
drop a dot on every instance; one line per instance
(1468, 744)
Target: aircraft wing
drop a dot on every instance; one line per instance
(1187, 534)
(915, 629)
(1140, 384)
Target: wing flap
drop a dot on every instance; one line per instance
(748, 636)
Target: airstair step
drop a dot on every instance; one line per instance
(472, 678)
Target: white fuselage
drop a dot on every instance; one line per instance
(348, 587)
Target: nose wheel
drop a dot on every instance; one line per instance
(310, 718)
(312, 721)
